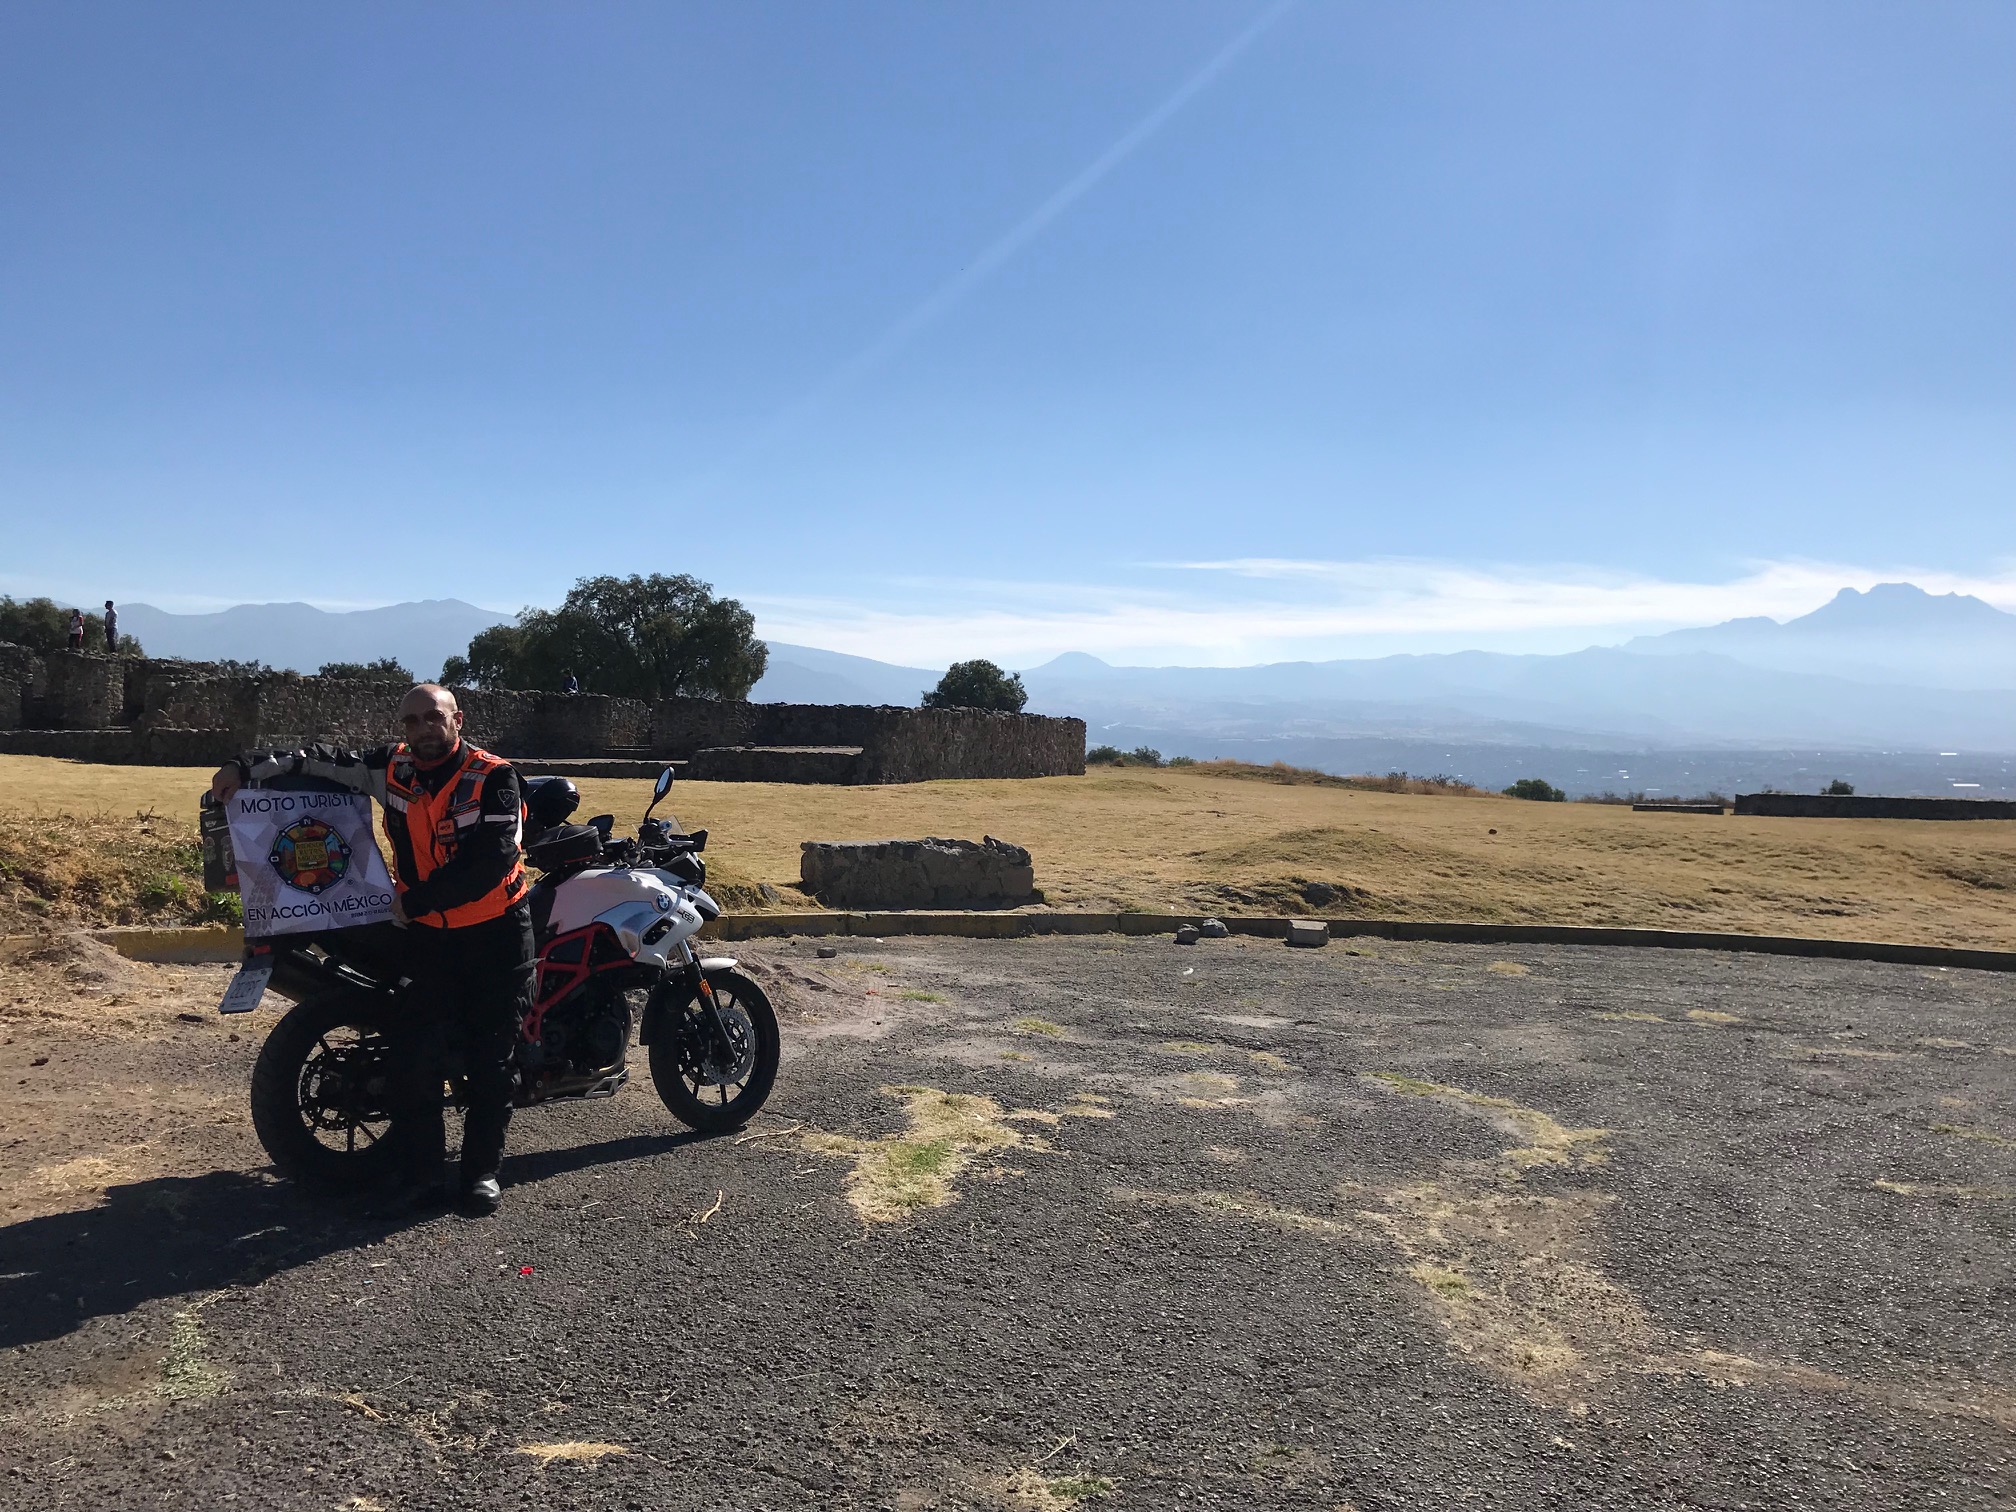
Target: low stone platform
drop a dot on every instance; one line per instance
(589, 766)
(929, 873)
(1869, 806)
(757, 763)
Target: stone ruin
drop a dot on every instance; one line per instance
(917, 873)
(158, 712)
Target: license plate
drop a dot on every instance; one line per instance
(246, 988)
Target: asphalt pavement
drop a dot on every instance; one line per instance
(1116, 1223)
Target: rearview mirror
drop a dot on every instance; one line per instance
(604, 823)
(658, 791)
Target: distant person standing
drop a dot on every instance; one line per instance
(111, 629)
(76, 629)
(569, 683)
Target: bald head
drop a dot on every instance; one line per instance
(431, 721)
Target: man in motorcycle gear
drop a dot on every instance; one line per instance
(454, 818)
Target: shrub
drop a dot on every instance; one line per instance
(385, 669)
(222, 908)
(1182, 761)
(1838, 789)
(42, 624)
(978, 684)
(1146, 756)
(1539, 789)
(1104, 755)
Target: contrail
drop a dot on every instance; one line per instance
(994, 257)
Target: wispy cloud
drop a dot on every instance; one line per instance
(1250, 609)
(989, 260)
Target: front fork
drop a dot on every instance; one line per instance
(710, 1009)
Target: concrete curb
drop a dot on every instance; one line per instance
(216, 942)
(1004, 926)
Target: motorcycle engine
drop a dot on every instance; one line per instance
(587, 1034)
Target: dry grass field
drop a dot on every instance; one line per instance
(101, 843)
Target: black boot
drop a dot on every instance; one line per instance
(480, 1197)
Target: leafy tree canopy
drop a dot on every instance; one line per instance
(1539, 789)
(42, 624)
(635, 637)
(978, 685)
(385, 669)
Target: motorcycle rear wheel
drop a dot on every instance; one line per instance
(321, 1093)
(697, 1084)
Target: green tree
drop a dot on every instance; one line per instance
(1838, 789)
(978, 685)
(385, 669)
(1105, 755)
(1539, 789)
(635, 637)
(43, 625)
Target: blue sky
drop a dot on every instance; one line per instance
(1171, 332)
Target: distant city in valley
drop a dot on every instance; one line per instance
(1894, 690)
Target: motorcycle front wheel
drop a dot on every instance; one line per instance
(322, 1095)
(703, 1087)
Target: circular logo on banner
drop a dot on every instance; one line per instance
(310, 856)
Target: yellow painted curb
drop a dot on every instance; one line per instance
(192, 946)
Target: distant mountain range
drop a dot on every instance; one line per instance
(1894, 633)
(422, 635)
(1894, 669)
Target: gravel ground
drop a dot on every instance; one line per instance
(1098, 1222)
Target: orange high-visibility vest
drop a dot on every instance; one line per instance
(435, 824)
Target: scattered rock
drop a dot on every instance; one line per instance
(828, 952)
(1310, 932)
(1186, 934)
(1318, 894)
(1213, 929)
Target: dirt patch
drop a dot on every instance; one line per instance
(902, 1175)
(572, 1452)
(1547, 1141)
(1934, 1189)
(1038, 1492)
(186, 1371)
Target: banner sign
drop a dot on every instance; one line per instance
(307, 861)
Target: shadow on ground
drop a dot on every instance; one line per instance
(174, 1235)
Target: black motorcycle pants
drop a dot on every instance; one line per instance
(471, 990)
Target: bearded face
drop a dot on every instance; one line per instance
(431, 722)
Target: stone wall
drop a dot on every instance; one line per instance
(82, 691)
(28, 675)
(917, 873)
(156, 710)
(920, 745)
(897, 744)
(1858, 806)
(813, 764)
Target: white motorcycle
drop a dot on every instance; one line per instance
(614, 922)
